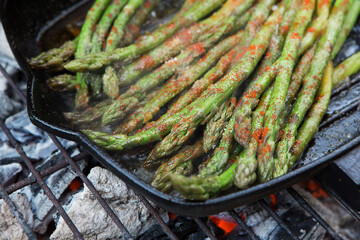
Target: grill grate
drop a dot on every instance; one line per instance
(38, 177)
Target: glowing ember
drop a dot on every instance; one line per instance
(314, 187)
(273, 203)
(225, 225)
(172, 216)
(75, 185)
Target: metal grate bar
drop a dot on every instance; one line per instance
(205, 229)
(77, 170)
(163, 225)
(243, 225)
(277, 218)
(50, 170)
(16, 213)
(40, 180)
(304, 204)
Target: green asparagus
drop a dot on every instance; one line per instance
(89, 115)
(98, 40)
(62, 83)
(346, 68)
(132, 30)
(314, 30)
(110, 80)
(285, 65)
(56, 57)
(215, 127)
(349, 22)
(198, 188)
(211, 27)
(263, 76)
(245, 172)
(179, 134)
(99, 36)
(161, 178)
(198, 10)
(311, 123)
(218, 162)
(310, 86)
(214, 96)
(172, 88)
(84, 47)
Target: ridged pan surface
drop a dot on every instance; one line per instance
(33, 25)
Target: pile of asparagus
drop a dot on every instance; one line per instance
(195, 66)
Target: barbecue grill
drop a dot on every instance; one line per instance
(346, 113)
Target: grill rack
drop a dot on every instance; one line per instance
(38, 177)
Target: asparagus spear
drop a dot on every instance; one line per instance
(223, 65)
(245, 172)
(63, 82)
(197, 188)
(210, 99)
(110, 80)
(213, 27)
(263, 76)
(300, 72)
(198, 10)
(215, 127)
(168, 69)
(161, 178)
(314, 30)
(106, 21)
(132, 30)
(221, 155)
(89, 115)
(202, 188)
(84, 46)
(176, 85)
(179, 134)
(171, 88)
(314, 116)
(165, 71)
(56, 57)
(296, 82)
(285, 65)
(349, 22)
(346, 68)
(310, 87)
(98, 40)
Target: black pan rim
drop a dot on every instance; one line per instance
(168, 202)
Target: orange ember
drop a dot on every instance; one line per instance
(75, 185)
(172, 216)
(225, 225)
(314, 187)
(273, 203)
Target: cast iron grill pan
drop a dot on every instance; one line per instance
(27, 23)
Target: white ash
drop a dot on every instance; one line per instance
(36, 143)
(7, 105)
(92, 220)
(9, 171)
(4, 45)
(40, 210)
(10, 228)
